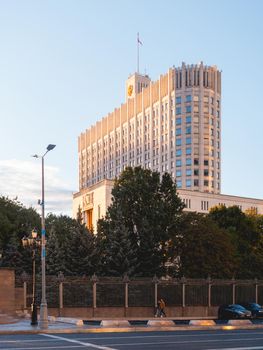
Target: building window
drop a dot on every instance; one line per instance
(196, 182)
(178, 162)
(188, 172)
(188, 161)
(206, 172)
(178, 173)
(188, 130)
(188, 98)
(206, 162)
(178, 142)
(188, 183)
(204, 205)
(178, 110)
(188, 151)
(178, 132)
(196, 172)
(188, 109)
(188, 140)
(179, 183)
(187, 202)
(178, 152)
(196, 161)
(178, 121)
(196, 98)
(205, 182)
(178, 99)
(188, 119)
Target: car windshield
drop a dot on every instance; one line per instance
(255, 305)
(237, 306)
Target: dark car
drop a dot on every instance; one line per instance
(256, 309)
(232, 311)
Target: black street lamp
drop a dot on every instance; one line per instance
(33, 242)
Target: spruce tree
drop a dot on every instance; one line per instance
(146, 208)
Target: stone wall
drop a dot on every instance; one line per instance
(7, 290)
(133, 312)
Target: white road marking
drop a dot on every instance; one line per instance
(249, 348)
(26, 341)
(148, 335)
(78, 342)
(45, 347)
(192, 341)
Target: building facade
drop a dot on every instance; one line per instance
(95, 200)
(171, 125)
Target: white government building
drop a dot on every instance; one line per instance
(170, 125)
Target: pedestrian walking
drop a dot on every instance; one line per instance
(160, 312)
(162, 307)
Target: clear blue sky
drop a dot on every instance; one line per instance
(63, 65)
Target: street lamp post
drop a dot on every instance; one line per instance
(43, 321)
(33, 242)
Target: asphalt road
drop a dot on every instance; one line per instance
(209, 340)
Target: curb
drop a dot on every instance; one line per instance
(67, 320)
(128, 329)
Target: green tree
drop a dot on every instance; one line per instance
(70, 247)
(115, 250)
(16, 221)
(203, 249)
(147, 209)
(246, 235)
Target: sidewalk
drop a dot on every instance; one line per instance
(73, 325)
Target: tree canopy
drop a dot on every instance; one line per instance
(246, 235)
(145, 208)
(145, 232)
(203, 249)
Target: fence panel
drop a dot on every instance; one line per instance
(196, 295)
(141, 294)
(77, 294)
(245, 293)
(52, 294)
(260, 294)
(109, 294)
(171, 293)
(221, 294)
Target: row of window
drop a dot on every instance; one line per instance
(206, 99)
(188, 98)
(196, 183)
(178, 110)
(189, 172)
(188, 109)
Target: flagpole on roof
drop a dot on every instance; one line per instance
(138, 53)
